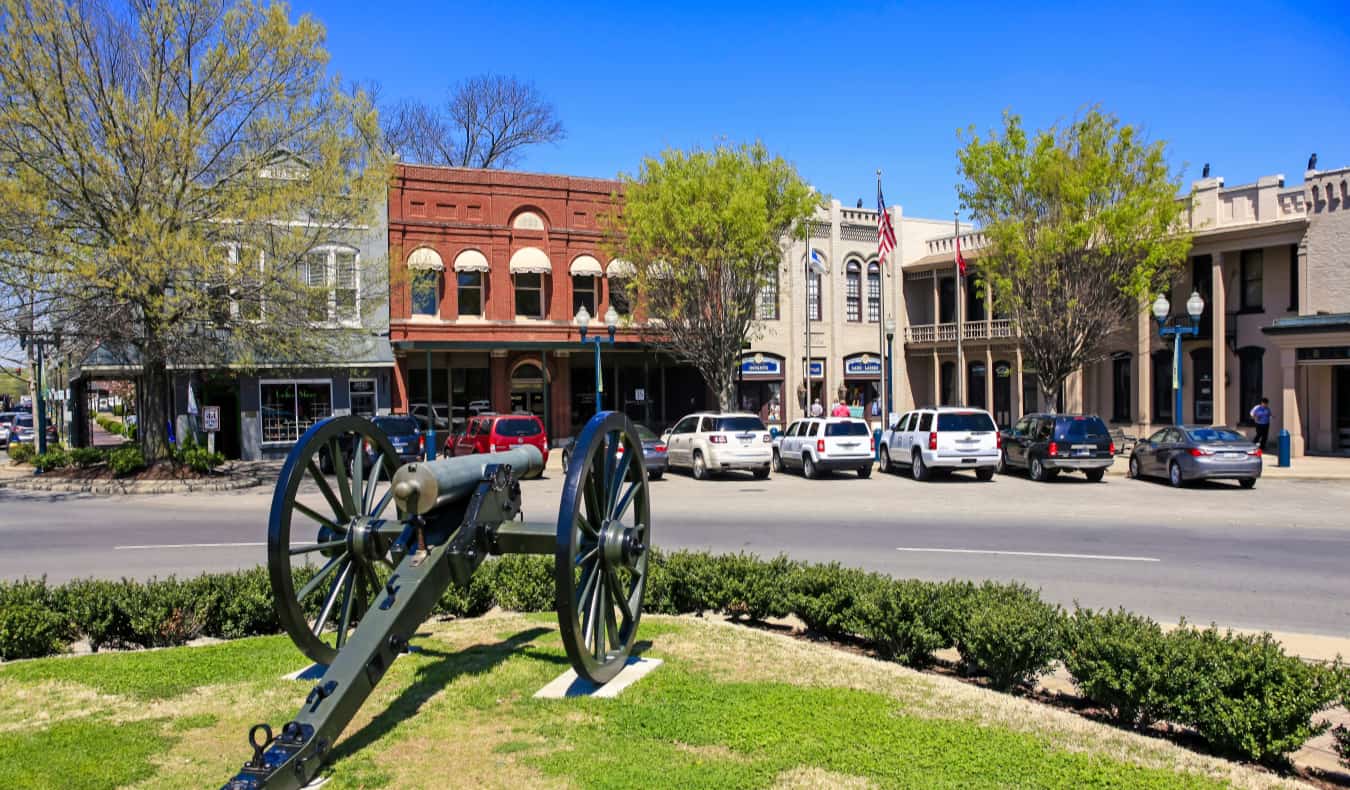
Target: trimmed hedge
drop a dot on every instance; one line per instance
(126, 460)
(21, 453)
(1242, 693)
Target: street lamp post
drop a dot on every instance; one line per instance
(889, 404)
(583, 319)
(1177, 328)
(40, 344)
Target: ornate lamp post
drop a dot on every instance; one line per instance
(583, 319)
(888, 404)
(1177, 327)
(40, 342)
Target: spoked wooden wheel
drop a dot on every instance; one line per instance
(328, 537)
(604, 537)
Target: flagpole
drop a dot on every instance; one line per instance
(960, 293)
(881, 320)
(806, 367)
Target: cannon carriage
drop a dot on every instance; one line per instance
(358, 560)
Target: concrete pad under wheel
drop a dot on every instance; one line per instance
(568, 684)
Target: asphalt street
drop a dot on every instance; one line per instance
(1275, 557)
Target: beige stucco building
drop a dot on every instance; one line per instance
(1272, 263)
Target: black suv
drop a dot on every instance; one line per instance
(1047, 444)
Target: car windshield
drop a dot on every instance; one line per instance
(846, 428)
(647, 434)
(737, 424)
(964, 421)
(25, 420)
(1078, 429)
(518, 426)
(397, 426)
(1215, 435)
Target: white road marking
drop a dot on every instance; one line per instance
(1051, 555)
(188, 546)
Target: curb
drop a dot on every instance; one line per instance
(112, 487)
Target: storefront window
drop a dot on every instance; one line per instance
(289, 408)
(362, 394)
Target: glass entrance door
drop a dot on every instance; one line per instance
(1340, 394)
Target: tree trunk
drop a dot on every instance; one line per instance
(153, 412)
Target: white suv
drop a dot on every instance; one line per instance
(712, 442)
(943, 438)
(822, 445)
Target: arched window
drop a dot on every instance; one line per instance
(853, 292)
(425, 265)
(528, 220)
(767, 308)
(813, 295)
(873, 293)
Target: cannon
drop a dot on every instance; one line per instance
(358, 560)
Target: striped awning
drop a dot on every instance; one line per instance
(471, 261)
(586, 266)
(426, 258)
(621, 268)
(530, 260)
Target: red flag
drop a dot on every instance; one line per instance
(960, 261)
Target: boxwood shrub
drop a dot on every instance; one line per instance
(21, 453)
(1118, 660)
(1009, 635)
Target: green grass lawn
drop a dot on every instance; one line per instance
(730, 707)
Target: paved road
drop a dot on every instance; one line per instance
(1275, 557)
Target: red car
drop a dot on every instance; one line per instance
(489, 433)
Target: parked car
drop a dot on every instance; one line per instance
(942, 439)
(1047, 444)
(654, 452)
(820, 445)
(22, 430)
(6, 427)
(431, 417)
(710, 442)
(489, 433)
(1184, 453)
(404, 432)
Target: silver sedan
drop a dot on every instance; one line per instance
(1185, 453)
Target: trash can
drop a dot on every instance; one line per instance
(1284, 448)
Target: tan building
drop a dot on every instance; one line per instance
(1272, 263)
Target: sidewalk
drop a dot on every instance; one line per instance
(232, 476)
(1305, 468)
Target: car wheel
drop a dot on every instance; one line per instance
(1095, 475)
(1037, 470)
(1247, 482)
(654, 475)
(1174, 475)
(918, 469)
(1002, 467)
(565, 458)
(865, 472)
(808, 468)
(762, 473)
(985, 473)
(699, 470)
(777, 462)
(1134, 467)
(885, 462)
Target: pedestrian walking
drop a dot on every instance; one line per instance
(840, 409)
(1260, 414)
(816, 409)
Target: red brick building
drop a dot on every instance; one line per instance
(488, 270)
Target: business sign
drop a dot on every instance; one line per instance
(817, 369)
(761, 365)
(862, 365)
(211, 419)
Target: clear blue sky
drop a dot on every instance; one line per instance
(844, 89)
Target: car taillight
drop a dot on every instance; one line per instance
(998, 441)
(1113, 448)
(422, 443)
(820, 445)
(1256, 452)
(932, 440)
(1197, 452)
(660, 448)
(716, 439)
(1053, 449)
(365, 445)
(872, 445)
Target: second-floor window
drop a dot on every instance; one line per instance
(334, 274)
(873, 293)
(425, 289)
(470, 293)
(853, 292)
(585, 293)
(529, 295)
(619, 297)
(767, 308)
(813, 296)
(1253, 264)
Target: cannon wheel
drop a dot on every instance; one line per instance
(337, 526)
(604, 536)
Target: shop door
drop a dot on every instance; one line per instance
(1003, 394)
(1341, 395)
(527, 390)
(1202, 393)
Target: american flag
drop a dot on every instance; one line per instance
(885, 231)
(960, 259)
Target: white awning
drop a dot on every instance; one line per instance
(471, 261)
(530, 260)
(621, 268)
(425, 258)
(586, 266)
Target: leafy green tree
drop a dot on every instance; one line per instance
(1083, 226)
(705, 231)
(165, 166)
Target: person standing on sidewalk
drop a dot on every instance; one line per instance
(1260, 414)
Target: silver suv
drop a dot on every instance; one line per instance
(711, 442)
(819, 445)
(943, 438)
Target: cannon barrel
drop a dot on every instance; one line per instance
(425, 485)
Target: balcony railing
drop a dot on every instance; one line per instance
(971, 330)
